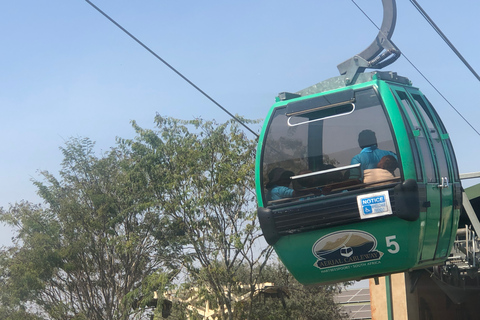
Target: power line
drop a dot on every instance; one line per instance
(444, 98)
(424, 77)
(365, 14)
(444, 37)
(172, 68)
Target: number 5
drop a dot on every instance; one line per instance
(390, 242)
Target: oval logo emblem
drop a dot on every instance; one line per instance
(345, 247)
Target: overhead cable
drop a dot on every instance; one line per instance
(172, 68)
(424, 77)
(440, 33)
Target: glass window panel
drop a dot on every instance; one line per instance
(434, 135)
(425, 151)
(411, 124)
(324, 147)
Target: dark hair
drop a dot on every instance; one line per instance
(388, 163)
(277, 175)
(367, 138)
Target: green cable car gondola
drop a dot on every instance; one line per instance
(356, 176)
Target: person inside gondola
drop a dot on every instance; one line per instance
(370, 155)
(278, 186)
(384, 172)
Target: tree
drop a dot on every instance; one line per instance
(177, 202)
(95, 243)
(202, 175)
(279, 296)
(291, 300)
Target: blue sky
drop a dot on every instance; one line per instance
(66, 71)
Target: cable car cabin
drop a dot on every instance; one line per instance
(357, 181)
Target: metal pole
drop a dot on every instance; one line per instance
(388, 287)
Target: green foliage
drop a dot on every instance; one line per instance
(175, 201)
(97, 239)
(292, 300)
(202, 175)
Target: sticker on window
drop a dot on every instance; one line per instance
(374, 205)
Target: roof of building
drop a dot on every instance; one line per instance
(355, 303)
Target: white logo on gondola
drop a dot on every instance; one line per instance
(345, 247)
(346, 251)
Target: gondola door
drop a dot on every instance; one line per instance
(447, 177)
(427, 174)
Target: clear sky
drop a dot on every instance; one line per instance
(66, 71)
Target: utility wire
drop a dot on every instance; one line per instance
(172, 68)
(440, 33)
(366, 15)
(444, 98)
(424, 77)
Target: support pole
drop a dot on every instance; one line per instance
(388, 289)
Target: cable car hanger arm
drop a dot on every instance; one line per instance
(373, 57)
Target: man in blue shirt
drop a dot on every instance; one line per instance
(370, 154)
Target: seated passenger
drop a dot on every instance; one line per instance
(370, 155)
(385, 170)
(278, 184)
(331, 177)
(321, 183)
(308, 182)
(307, 186)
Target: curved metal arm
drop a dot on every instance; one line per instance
(372, 57)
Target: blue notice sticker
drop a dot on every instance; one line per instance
(374, 205)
